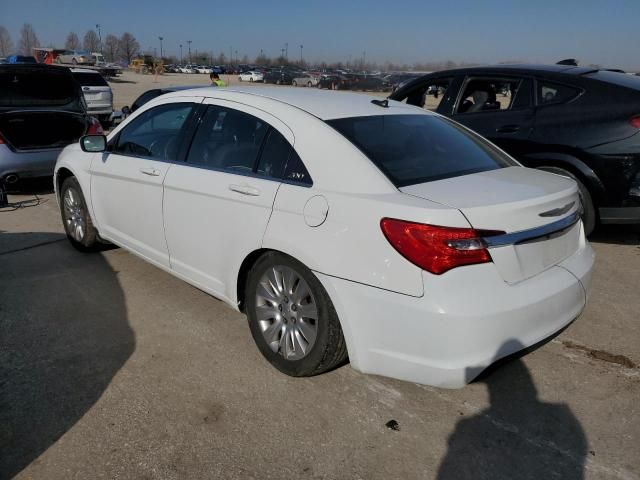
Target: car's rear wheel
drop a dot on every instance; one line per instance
(589, 214)
(74, 61)
(309, 84)
(294, 83)
(75, 216)
(292, 318)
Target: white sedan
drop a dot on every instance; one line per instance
(251, 76)
(343, 226)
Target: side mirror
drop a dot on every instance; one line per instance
(93, 143)
(125, 110)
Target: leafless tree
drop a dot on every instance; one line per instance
(128, 46)
(6, 45)
(72, 42)
(91, 42)
(28, 40)
(111, 45)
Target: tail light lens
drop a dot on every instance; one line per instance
(95, 128)
(434, 248)
(635, 121)
(1, 139)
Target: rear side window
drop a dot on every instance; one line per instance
(550, 92)
(280, 161)
(90, 79)
(412, 149)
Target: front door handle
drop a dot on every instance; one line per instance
(150, 171)
(245, 190)
(508, 129)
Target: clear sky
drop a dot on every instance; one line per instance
(480, 31)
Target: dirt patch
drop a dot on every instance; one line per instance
(602, 355)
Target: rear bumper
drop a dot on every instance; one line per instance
(27, 164)
(467, 319)
(620, 215)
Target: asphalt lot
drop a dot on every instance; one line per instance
(111, 368)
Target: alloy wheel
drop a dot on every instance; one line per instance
(74, 214)
(287, 312)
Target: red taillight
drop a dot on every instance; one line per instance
(95, 128)
(635, 121)
(1, 140)
(436, 249)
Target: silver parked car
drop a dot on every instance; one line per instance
(97, 94)
(305, 80)
(36, 123)
(76, 57)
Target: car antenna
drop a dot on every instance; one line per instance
(381, 103)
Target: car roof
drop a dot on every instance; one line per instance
(83, 70)
(520, 68)
(323, 104)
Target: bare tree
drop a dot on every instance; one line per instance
(6, 45)
(128, 46)
(72, 42)
(28, 40)
(111, 45)
(91, 42)
(221, 59)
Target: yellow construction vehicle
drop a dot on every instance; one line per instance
(147, 64)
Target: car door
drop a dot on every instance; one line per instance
(498, 108)
(217, 204)
(126, 180)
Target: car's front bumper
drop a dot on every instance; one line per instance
(467, 319)
(627, 215)
(28, 163)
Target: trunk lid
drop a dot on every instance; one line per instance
(514, 199)
(41, 129)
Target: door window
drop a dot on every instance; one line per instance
(494, 94)
(227, 140)
(549, 93)
(429, 95)
(156, 133)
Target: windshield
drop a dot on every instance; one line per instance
(412, 149)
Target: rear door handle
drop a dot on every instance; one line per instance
(508, 129)
(150, 171)
(245, 190)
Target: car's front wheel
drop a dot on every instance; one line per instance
(75, 216)
(292, 318)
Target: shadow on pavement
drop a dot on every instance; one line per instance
(64, 335)
(518, 436)
(616, 234)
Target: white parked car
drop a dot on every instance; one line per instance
(188, 69)
(204, 69)
(251, 76)
(339, 225)
(97, 94)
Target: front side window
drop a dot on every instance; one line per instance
(155, 133)
(492, 94)
(412, 149)
(430, 94)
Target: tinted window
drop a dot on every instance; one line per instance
(488, 95)
(155, 133)
(621, 79)
(295, 170)
(24, 86)
(144, 98)
(227, 139)
(429, 95)
(549, 92)
(90, 80)
(413, 149)
(275, 153)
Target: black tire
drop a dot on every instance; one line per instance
(89, 240)
(278, 82)
(309, 84)
(329, 349)
(74, 61)
(294, 83)
(589, 214)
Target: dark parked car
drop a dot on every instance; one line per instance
(579, 122)
(42, 110)
(366, 82)
(333, 82)
(280, 77)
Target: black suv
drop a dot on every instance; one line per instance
(580, 122)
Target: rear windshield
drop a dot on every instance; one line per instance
(90, 79)
(36, 87)
(621, 79)
(412, 149)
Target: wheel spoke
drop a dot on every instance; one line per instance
(300, 343)
(272, 335)
(302, 291)
(308, 331)
(266, 312)
(289, 279)
(266, 293)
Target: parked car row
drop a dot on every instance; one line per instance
(191, 68)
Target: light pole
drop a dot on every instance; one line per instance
(160, 38)
(301, 54)
(189, 42)
(99, 36)
(286, 51)
(180, 54)
(364, 59)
